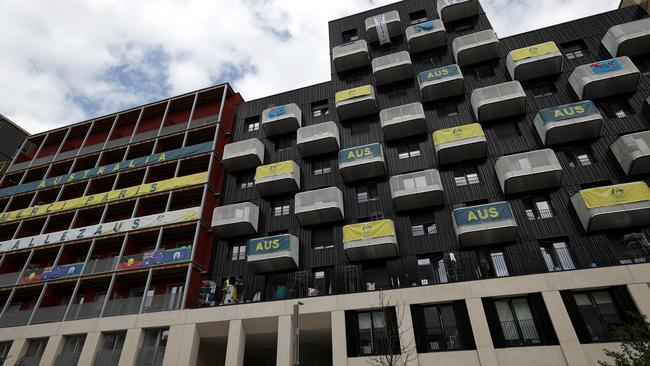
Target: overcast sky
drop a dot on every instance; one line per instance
(65, 61)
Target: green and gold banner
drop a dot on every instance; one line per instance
(270, 170)
(100, 198)
(617, 194)
(368, 230)
(458, 133)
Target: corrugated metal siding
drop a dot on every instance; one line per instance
(523, 256)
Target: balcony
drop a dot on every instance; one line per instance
(534, 61)
(235, 220)
(362, 162)
(569, 122)
(241, 155)
(15, 318)
(155, 258)
(416, 190)
(426, 36)
(440, 83)
(350, 55)
(321, 138)
(319, 206)
(356, 102)
(498, 101)
(528, 171)
(282, 119)
(613, 207)
(9, 279)
(633, 152)
(476, 47)
(94, 266)
(605, 78)
(402, 121)
(484, 224)
(451, 10)
(370, 240)
(87, 310)
(277, 178)
(628, 39)
(273, 253)
(49, 314)
(162, 302)
(392, 23)
(124, 306)
(461, 143)
(391, 68)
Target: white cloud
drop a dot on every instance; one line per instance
(68, 60)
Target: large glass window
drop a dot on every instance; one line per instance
(630, 248)
(375, 275)
(579, 156)
(322, 281)
(517, 323)
(423, 224)
(491, 263)
(538, 208)
(372, 332)
(408, 150)
(322, 237)
(556, 255)
(72, 346)
(432, 270)
(599, 314)
(465, 176)
(4, 350)
(111, 349)
(281, 207)
(441, 328)
(153, 347)
(367, 192)
(35, 349)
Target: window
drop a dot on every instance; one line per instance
(574, 49)
(359, 127)
(432, 270)
(579, 156)
(320, 108)
(237, 252)
(504, 130)
(423, 224)
(280, 207)
(375, 276)
(484, 70)
(35, 349)
(252, 123)
(276, 286)
(462, 26)
(491, 264)
(517, 323)
(72, 346)
(369, 332)
(556, 255)
(418, 16)
(322, 237)
(322, 166)
(397, 93)
(466, 176)
(245, 181)
(538, 208)
(442, 327)
(542, 89)
(153, 347)
(350, 35)
(111, 349)
(448, 109)
(4, 350)
(616, 108)
(283, 144)
(322, 281)
(367, 192)
(408, 150)
(599, 314)
(630, 248)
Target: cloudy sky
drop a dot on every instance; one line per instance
(65, 61)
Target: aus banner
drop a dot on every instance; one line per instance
(360, 153)
(269, 244)
(108, 228)
(568, 111)
(108, 169)
(437, 74)
(482, 214)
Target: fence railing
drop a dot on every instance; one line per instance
(125, 306)
(49, 314)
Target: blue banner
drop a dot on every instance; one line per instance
(423, 27)
(277, 111)
(360, 152)
(482, 214)
(269, 244)
(68, 270)
(605, 66)
(439, 73)
(108, 169)
(568, 111)
(166, 256)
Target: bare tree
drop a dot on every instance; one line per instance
(390, 348)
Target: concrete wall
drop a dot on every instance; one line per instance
(188, 327)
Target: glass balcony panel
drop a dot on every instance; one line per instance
(282, 119)
(605, 78)
(124, 306)
(236, 219)
(319, 206)
(321, 138)
(498, 101)
(391, 20)
(403, 121)
(356, 102)
(476, 47)
(461, 143)
(103, 265)
(350, 55)
(162, 302)
(633, 152)
(88, 310)
(628, 39)
(426, 36)
(242, 155)
(416, 190)
(452, 10)
(15, 318)
(9, 279)
(277, 178)
(535, 61)
(392, 68)
(529, 171)
(49, 314)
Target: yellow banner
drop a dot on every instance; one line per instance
(116, 195)
(353, 93)
(533, 51)
(283, 167)
(458, 133)
(617, 194)
(368, 230)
